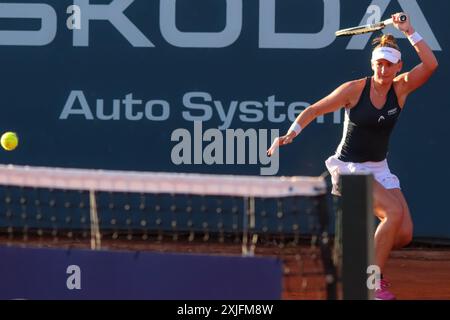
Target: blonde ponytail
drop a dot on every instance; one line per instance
(386, 40)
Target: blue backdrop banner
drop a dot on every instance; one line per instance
(204, 86)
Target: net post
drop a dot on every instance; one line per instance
(357, 235)
(326, 251)
(95, 229)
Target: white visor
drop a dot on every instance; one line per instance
(388, 53)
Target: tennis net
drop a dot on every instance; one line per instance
(286, 217)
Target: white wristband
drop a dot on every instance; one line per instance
(295, 127)
(415, 38)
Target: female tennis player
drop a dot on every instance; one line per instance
(372, 107)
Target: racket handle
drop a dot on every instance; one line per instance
(390, 21)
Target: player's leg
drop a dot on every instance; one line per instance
(388, 208)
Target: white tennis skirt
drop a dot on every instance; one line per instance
(380, 171)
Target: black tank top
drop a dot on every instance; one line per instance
(367, 129)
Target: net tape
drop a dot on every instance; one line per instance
(159, 182)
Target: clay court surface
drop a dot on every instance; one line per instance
(415, 273)
(420, 274)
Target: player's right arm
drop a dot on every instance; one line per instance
(411, 80)
(345, 95)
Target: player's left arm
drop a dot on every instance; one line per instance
(415, 78)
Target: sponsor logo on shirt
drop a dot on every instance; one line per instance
(392, 112)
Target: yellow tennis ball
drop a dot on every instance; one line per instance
(9, 141)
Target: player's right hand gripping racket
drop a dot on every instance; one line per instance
(367, 28)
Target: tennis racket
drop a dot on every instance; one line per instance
(367, 28)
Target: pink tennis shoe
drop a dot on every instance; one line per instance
(383, 293)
